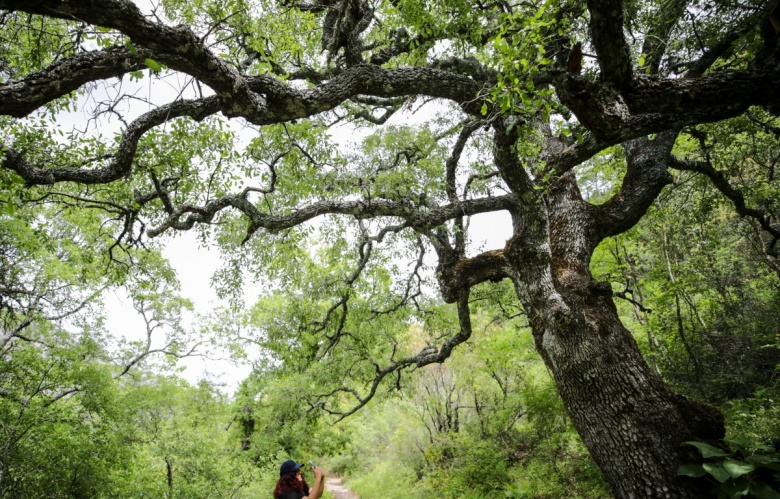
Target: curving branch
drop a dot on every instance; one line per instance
(420, 218)
(450, 168)
(22, 97)
(177, 47)
(122, 163)
(152, 324)
(647, 160)
(510, 166)
(451, 164)
(646, 175)
(427, 356)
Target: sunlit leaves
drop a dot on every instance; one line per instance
(194, 162)
(521, 52)
(263, 35)
(699, 271)
(296, 161)
(29, 43)
(600, 177)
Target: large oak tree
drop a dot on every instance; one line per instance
(528, 92)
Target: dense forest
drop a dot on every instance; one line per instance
(345, 158)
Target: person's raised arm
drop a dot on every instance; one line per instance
(319, 484)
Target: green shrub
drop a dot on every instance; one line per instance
(743, 472)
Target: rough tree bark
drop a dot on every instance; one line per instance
(630, 421)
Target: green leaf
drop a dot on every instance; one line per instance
(762, 461)
(153, 65)
(693, 470)
(717, 471)
(708, 450)
(737, 468)
(735, 488)
(484, 109)
(763, 491)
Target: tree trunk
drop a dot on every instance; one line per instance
(631, 423)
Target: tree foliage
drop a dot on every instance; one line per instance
(339, 152)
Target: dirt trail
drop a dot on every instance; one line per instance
(335, 486)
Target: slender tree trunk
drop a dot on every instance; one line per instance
(631, 423)
(169, 476)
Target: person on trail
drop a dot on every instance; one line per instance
(292, 485)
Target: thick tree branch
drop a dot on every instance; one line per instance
(451, 165)
(512, 170)
(646, 175)
(22, 97)
(177, 47)
(465, 273)
(450, 188)
(606, 31)
(647, 160)
(711, 97)
(421, 219)
(652, 104)
(122, 163)
(286, 103)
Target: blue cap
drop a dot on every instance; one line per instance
(289, 467)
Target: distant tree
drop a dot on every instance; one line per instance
(530, 93)
(60, 373)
